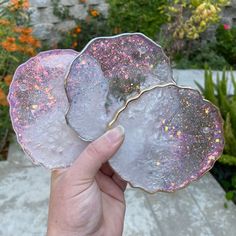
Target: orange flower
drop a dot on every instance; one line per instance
(75, 44)
(94, 13)
(34, 42)
(13, 48)
(19, 4)
(78, 30)
(10, 39)
(26, 30)
(4, 22)
(9, 46)
(23, 38)
(23, 30)
(17, 29)
(30, 51)
(7, 79)
(117, 30)
(3, 98)
(29, 39)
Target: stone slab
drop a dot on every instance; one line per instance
(187, 78)
(140, 220)
(40, 3)
(23, 200)
(79, 11)
(210, 198)
(195, 210)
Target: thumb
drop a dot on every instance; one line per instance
(97, 153)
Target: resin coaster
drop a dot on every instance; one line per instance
(38, 104)
(108, 72)
(61, 99)
(172, 137)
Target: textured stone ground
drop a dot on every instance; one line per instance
(196, 210)
(186, 78)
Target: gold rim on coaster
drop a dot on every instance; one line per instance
(132, 99)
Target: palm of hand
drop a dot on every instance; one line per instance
(88, 206)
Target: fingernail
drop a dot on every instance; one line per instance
(116, 135)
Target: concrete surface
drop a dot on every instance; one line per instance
(196, 210)
(187, 78)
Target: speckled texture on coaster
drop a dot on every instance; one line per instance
(38, 104)
(172, 137)
(108, 72)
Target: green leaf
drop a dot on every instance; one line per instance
(234, 84)
(14, 58)
(228, 160)
(230, 140)
(225, 205)
(209, 92)
(223, 100)
(199, 86)
(232, 111)
(229, 195)
(233, 181)
(223, 83)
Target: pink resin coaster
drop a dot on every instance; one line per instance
(108, 72)
(62, 99)
(38, 104)
(171, 141)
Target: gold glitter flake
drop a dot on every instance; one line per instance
(211, 158)
(207, 110)
(34, 107)
(179, 133)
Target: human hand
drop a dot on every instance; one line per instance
(88, 198)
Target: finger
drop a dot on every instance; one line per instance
(98, 153)
(108, 187)
(107, 170)
(56, 174)
(120, 182)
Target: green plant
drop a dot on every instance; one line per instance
(197, 55)
(186, 21)
(225, 42)
(217, 93)
(136, 16)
